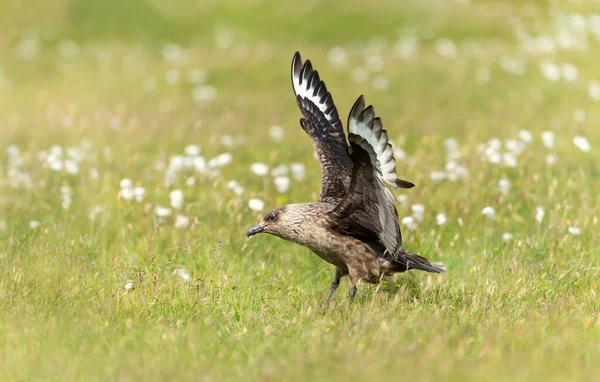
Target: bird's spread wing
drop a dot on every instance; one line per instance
(322, 123)
(363, 122)
(368, 211)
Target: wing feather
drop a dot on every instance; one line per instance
(363, 122)
(322, 123)
(368, 210)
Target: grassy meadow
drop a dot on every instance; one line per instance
(140, 140)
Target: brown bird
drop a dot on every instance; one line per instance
(354, 224)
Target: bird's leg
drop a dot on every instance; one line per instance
(334, 285)
(352, 293)
(354, 279)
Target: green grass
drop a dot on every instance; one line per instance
(521, 310)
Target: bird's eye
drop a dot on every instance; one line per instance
(271, 217)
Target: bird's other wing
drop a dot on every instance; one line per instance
(368, 210)
(363, 122)
(322, 123)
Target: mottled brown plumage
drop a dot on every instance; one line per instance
(354, 225)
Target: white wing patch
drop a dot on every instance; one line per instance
(364, 123)
(309, 86)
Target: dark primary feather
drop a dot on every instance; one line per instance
(321, 122)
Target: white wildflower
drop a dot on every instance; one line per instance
(190, 181)
(65, 192)
(574, 230)
(176, 199)
(220, 160)
(551, 71)
(548, 139)
(441, 219)
(509, 159)
(188, 163)
(551, 159)
(276, 133)
(34, 224)
(259, 169)
(539, 214)
(204, 93)
(235, 187)
(256, 205)
(399, 154)
(162, 212)
(513, 65)
(182, 273)
(403, 200)
(374, 63)
(504, 186)
(526, 136)
(582, 143)
(418, 211)
(489, 212)
(507, 236)
(594, 90)
(173, 53)
(569, 72)
(280, 170)
(182, 222)
(445, 48)
(360, 75)
(71, 167)
(455, 171)
(139, 193)
(126, 183)
(452, 150)
(176, 163)
(282, 183)
(126, 194)
(128, 286)
(199, 164)
(298, 171)
(495, 143)
(337, 56)
(515, 147)
(192, 150)
(407, 47)
(227, 141)
(409, 222)
(169, 178)
(437, 176)
(381, 82)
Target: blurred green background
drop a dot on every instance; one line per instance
(491, 105)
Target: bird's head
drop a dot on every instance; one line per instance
(281, 222)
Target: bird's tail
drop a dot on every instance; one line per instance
(406, 261)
